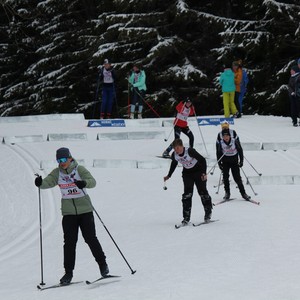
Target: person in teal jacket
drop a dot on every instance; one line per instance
(76, 208)
(137, 81)
(228, 90)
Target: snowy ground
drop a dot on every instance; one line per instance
(251, 253)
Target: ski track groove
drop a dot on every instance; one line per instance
(29, 235)
(289, 156)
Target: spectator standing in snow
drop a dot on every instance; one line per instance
(107, 77)
(238, 76)
(193, 173)
(294, 81)
(243, 87)
(184, 110)
(137, 80)
(230, 157)
(76, 208)
(298, 64)
(228, 90)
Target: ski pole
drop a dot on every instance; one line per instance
(96, 95)
(136, 91)
(165, 186)
(128, 110)
(213, 170)
(217, 192)
(200, 131)
(252, 167)
(116, 101)
(209, 172)
(171, 131)
(248, 182)
(41, 236)
(166, 139)
(132, 271)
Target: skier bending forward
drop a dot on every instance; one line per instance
(194, 172)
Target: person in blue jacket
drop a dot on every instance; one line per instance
(137, 81)
(243, 86)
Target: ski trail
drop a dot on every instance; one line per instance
(27, 234)
(290, 157)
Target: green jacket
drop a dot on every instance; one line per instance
(141, 83)
(72, 206)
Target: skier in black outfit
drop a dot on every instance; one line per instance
(225, 125)
(194, 172)
(230, 148)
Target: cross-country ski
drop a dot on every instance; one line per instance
(204, 223)
(54, 286)
(102, 278)
(223, 201)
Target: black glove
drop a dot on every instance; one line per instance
(221, 167)
(241, 163)
(80, 183)
(38, 181)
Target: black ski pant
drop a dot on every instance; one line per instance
(189, 180)
(177, 133)
(295, 109)
(71, 224)
(235, 170)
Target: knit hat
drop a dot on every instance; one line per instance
(295, 68)
(63, 153)
(235, 64)
(224, 124)
(106, 61)
(225, 132)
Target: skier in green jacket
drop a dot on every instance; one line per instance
(76, 208)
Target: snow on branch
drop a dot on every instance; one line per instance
(186, 70)
(181, 6)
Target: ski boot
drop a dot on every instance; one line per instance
(67, 278)
(104, 269)
(246, 197)
(166, 154)
(207, 215)
(226, 196)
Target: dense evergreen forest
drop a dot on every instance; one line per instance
(51, 52)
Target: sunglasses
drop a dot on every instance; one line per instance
(62, 160)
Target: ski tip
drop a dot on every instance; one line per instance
(87, 282)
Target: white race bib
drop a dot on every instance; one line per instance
(68, 188)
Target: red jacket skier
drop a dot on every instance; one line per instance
(184, 110)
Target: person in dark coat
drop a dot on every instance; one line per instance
(294, 98)
(107, 77)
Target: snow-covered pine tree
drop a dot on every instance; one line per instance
(51, 50)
